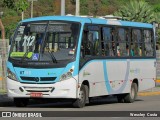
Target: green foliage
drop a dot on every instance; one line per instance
(73, 1)
(94, 6)
(157, 7)
(83, 7)
(3, 91)
(157, 17)
(139, 11)
(10, 24)
(21, 5)
(10, 12)
(104, 2)
(9, 3)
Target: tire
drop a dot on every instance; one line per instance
(120, 98)
(87, 94)
(81, 101)
(21, 102)
(130, 97)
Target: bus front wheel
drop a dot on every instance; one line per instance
(21, 102)
(130, 97)
(81, 101)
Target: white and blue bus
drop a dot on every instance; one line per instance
(78, 58)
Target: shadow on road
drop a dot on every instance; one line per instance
(68, 104)
(94, 102)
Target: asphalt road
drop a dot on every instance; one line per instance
(143, 103)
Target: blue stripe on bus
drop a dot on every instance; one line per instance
(89, 20)
(58, 18)
(108, 87)
(107, 82)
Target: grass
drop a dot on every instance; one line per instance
(2, 91)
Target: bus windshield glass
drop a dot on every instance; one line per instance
(45, 41)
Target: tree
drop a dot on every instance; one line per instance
(9, 3)
(18, 5)
(83, 7)
(136, 10)
(94, 6)
(56, 6)
(21, 6)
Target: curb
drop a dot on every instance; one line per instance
(158, 80)
(149, 93)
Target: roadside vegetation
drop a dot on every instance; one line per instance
(3, 91)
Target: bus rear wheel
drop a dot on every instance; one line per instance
(130, 97)
(81, 101)
(21, 102)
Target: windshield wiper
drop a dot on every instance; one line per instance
(24, 56)
(52, 56)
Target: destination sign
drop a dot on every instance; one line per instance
(51, 28)
(94, 28)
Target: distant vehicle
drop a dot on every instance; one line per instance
(78, 58)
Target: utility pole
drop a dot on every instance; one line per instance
(77, 7)
(22, 15)
(32, 7)
(62, 7)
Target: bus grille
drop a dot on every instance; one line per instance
(38, 89)
(38, 79)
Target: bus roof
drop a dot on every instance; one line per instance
(91, 20)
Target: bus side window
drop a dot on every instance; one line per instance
(95, 43)
(148, 43)
(85, 46)
(90, 44)
(132, 50)
(136, 42)
(122, 43)
(108, 41)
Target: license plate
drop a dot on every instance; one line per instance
(36, 94)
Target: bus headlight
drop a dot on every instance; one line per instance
(11, 75)
(66, 76)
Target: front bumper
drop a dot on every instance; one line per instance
(63, 89)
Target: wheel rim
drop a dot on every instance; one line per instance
(132, 93)
(81, 96)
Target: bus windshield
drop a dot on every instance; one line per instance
(45, 41)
